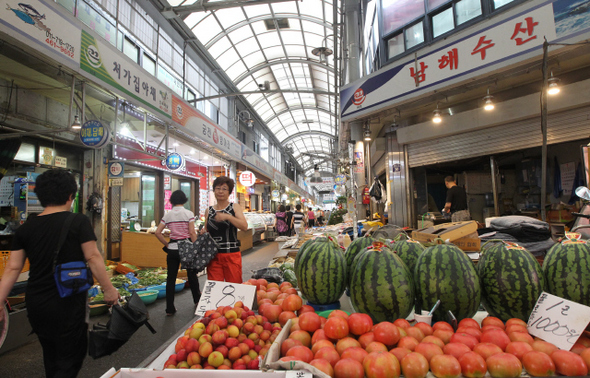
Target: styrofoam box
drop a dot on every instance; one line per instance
(189, 373)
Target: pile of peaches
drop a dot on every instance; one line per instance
(344, 346)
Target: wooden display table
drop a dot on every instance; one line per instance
(142, 249)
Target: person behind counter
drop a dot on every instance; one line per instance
(280, 223)
(181, 223)
(60, 323)
(222, 222)
(456, 203)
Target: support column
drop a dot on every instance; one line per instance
(356, 135)
(351, 55)
(397, 181)
(233, 170)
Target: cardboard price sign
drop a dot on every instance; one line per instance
(558, 321)
(218, 293)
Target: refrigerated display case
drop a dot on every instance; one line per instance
(257, 224)
(270, 233)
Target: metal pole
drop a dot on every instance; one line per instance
(494, 167)
(369, 174)
(83, 103)
(544, 132)
(72, 93)
(116, 124)
(409, 197)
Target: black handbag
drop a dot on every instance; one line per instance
(199, 254)
(125, 320)
(71, 277)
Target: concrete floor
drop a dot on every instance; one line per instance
(27, 360)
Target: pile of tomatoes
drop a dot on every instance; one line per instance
(344, 346)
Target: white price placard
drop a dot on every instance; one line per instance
(558, 321)
(217, 293)
(298, 374)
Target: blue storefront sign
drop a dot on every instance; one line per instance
(94, 134)
(174, 161)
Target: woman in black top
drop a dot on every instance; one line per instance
(60, 323)
(222, 222)
(298, 220)
(289, 220)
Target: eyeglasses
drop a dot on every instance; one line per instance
(221, 189)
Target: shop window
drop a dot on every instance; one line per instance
(190, 95)
(131, 50)
(443, 22)
(397, 13)
(149, 64)
(432, 4)
(414, 35)
(396, 45)
(467, 10)
(500, 3)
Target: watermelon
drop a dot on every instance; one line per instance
(302, 249)
(511, 281)
(321, 271)
(444, 272)
(567, 269)
(381, 284)
(358, 245)
(408, 250)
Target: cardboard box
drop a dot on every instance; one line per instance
(470, 242)
(445, 231)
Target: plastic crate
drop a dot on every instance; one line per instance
(4, 256)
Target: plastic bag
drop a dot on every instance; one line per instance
(269, 274)
(377, 191)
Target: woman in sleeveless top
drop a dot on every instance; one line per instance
(222, 222)
(280, 223)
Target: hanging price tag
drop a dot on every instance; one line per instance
(558, 321)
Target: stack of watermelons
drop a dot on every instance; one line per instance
(511, 280)
(567, 269)
(357, 246)
(381, 284)
(320, 269)
(407, 249)
(444, 272)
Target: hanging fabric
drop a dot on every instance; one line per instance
(8, 150)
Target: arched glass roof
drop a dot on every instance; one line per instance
(273, 41)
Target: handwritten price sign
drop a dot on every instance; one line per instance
(217, 293)
(558, 321)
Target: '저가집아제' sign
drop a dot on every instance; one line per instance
(218, 293)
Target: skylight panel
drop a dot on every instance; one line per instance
(291, 37)
(254, 59)
(228, 58)
(207, 29)
(313, 27)
(247, 47)
(236, 70)
(268, 40)
(230, 16)
(312, 9)
(257, 10)
(219, 47)
(288, 7)
(240, 34)
(273, 53)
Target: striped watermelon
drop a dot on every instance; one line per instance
(302, 249)
(567, 269)
(408, 250)
(445, 272)
(357, 245)
(381, 284)
(511, 280)
(321, 271)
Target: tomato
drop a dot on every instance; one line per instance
(473, 365)
(400, 352)
(538, 364)
(318, 335)
(288, 344)
(433, 340)
(504, 365)
(516, 328)
(487, 350)
(520, 336)
(518, 348)
(319, 345)
(348, 368)
(359, 323)
(475, 332)
(586, 356)
(469, 322)
(414, 365)
(381, 365)
(329, 354)
(339, 313)
(345, 343)
(415, 333)
(355, 353)
(386, 333)
(443, 334)
(521, 322)
(425, 328)
(366, 339)
(323, 366)
(310, 322)
(456, 349)
(402, 323)
(428, 350)
(376, 346)
(464, 338)
(445, 366)
(544, 346)
(442, 325)
(336, 328)
(496, 336)
(568, 363)
(301, 353)
(408, 342)
(491, 320)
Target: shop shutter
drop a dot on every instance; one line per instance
(561, 127)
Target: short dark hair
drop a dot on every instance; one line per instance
(282, 208)
(55, 186)
(178, 198)
(224, 180)
(298, 207)
(449, 179)
(288, 208)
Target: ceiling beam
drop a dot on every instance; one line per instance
(312, 91)
(205, 6)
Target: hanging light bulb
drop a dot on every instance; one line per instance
(489, 104)
(552, 86)
(76, 124)
(367, 135)
(175, 144)
(436, 116)
(192, 151)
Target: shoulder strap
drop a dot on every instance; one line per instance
(62, 237)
